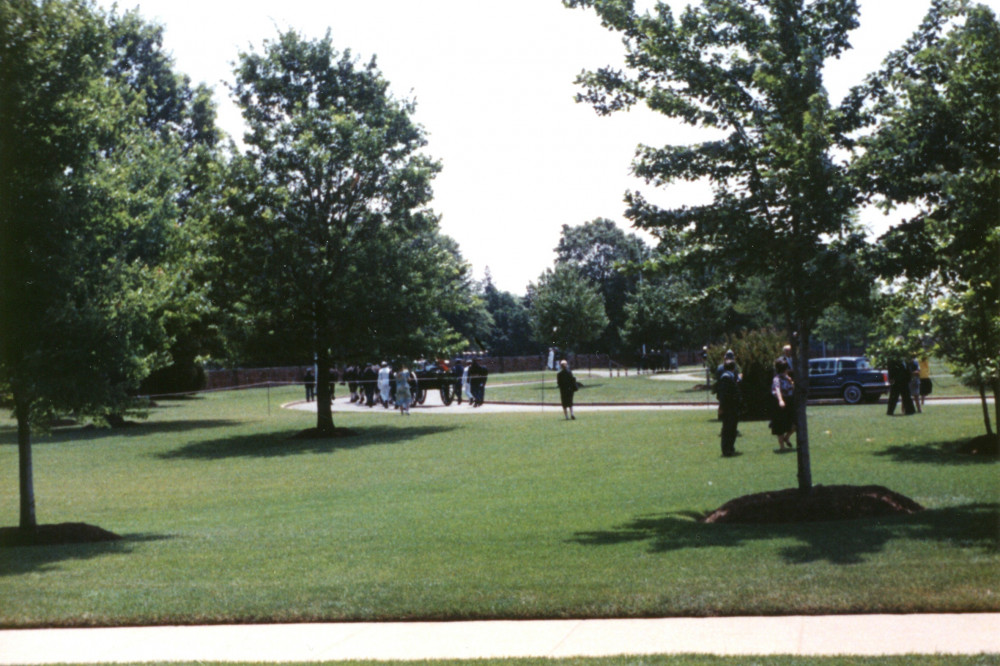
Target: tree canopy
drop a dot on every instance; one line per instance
(330, 237)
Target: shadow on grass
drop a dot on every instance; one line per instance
(85, 433)
(837, 542)
(936, 453)
(20, 560)
(281, 444)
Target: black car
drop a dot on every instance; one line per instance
(849, 377)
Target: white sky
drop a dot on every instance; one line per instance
(494, 88)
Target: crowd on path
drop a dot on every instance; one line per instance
(398, 386)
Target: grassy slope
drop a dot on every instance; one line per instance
(227, 519)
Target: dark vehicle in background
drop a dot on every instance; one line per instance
(849, 377)
(433, 376)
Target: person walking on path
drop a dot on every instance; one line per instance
(729, 406)
(477, 382)
(782, 390)
(384, 386)
(915, 384)
(567, 387)
(403, 395)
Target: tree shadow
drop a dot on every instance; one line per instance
(21, 560)
(85, 433)
(837, 542)
(936, 453)
(283, 444)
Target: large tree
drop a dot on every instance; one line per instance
(937, 147)
(751, 71)
(329, 237)
(609, 258)
(88, 207)
(566, 310)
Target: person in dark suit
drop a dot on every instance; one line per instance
(899, 387)
(728, 389)
(477, 382)
(567, 387)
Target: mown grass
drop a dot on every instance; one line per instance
(685, 386)
(227, 519)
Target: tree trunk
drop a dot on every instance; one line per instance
(801, 420)
(22, 410)
(986, 408)
(324, 410)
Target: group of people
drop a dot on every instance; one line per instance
(782, 424)
(373, 384)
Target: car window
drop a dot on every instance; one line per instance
(822, 366)
(848, 364)
(863, 364)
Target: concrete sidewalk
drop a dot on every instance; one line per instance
(863, 635)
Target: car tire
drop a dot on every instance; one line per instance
(853, 394)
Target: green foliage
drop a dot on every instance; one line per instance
(935, 147)
(755, 353)
(509, 333)
(567, 311)
(329, 242)
(608, 258)
(782, 207)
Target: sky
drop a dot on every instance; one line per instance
(494, 88)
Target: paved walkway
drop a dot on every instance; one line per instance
(864, 635)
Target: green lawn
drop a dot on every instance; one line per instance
(488, 516)
(602, 386)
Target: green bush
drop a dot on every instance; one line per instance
(755, 353)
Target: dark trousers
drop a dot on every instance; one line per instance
(899, 390)
(730, 421)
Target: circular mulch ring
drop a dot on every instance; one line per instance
(984, 445)
(59, 534)
(822, 504)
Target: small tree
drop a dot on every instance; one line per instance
(936, 146)
(782, 209)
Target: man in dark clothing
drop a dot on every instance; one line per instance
(477, 382)
(369, 378)
(729, 405)
(567, 387)
(899, 387)
(310, 382)
(457, 370)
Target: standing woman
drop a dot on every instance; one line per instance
(782, 388)
(567, 387)
(403, 395)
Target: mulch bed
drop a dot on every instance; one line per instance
(55, 535)
(822, 504)
(984, 445)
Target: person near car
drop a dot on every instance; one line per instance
(729, 406)
(568, 386)
(783, 419)
(899, 387)
(786, 354)
(915, 384)
(925, 379)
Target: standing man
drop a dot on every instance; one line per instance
(567, 387)
(310, 382)
(899, 387)
(369, 378)
(384, 374)
(477, 381)
(729, 405)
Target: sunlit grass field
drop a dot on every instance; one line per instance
(228, 519)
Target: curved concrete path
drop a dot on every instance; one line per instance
(856, 635)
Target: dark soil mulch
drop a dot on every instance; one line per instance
(984, 445)
(55, 535)
(822, 504)
(316, 433)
